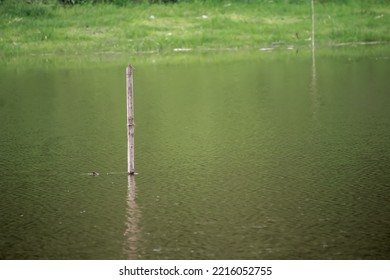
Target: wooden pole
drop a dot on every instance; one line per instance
(130, 120)
(312, 38)
(312, 26)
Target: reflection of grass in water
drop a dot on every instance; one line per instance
(37, 29)
(348, 52)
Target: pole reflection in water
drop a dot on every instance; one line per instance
(314, 86)
(314, 89)
(132, 221)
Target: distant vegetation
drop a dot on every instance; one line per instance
(130, 2)
(43, 7)
(139, 26)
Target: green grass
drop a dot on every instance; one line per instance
(41, 29)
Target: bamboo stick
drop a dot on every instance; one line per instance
(130, 121)
(312, 26)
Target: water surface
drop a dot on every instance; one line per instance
(260, 157)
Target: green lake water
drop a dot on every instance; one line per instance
(263, 156)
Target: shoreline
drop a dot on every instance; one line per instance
(379, 51)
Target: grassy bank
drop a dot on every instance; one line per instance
(139, 28)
